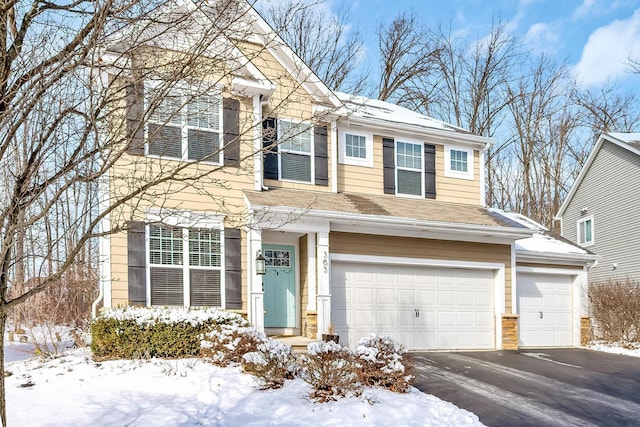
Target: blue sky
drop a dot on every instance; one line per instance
(594, 36)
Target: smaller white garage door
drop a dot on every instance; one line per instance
(420, 307)
(544, 305)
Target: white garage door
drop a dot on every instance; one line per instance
(420, 307)
(544, 305)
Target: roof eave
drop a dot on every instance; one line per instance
(556, 258)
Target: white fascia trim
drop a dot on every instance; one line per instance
(250, 88)
(504, 232)
(427, 262)
(556, 258)
(441, 136)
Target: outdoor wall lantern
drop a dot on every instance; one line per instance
(260, 264)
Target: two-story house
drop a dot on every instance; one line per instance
(368, 216)
(602, 198)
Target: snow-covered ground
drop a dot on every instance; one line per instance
(74, 390)
(627, 349)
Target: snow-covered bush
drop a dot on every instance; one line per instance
(137, 332)
(382, 363)
(226, 344)
(331, 370)
(273, 363)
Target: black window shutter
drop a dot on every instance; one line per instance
(134, 98)
(321, 155)
(231, 129)
(430, 171)
(270, 148)
(136, 255)
(389, 165)
(233, 268)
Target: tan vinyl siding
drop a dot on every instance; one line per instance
(362, 179)
(366, 244)
(457, 190)
(610, 193)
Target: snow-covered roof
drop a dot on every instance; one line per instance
(543, 241)
(385, 113)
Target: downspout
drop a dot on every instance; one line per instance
(334, 157)
(483, 184)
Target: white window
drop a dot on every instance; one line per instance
(296, 151)
(458, 162)
(185, 266)
(184, 125)
(585, 231)
(356, 148)
(409, 168)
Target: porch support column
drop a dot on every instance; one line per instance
(323, 274)
(311, 268)
(256, 291)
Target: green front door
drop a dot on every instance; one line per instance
(279, 286)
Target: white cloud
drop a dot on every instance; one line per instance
(606, 53)
(584, 9)
(541, 37)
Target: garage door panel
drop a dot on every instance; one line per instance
(421, 307)
(544, 304)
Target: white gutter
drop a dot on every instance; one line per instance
(453, 228)
(423, 130)
(524, 256)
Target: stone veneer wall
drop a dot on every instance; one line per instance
(510, 331)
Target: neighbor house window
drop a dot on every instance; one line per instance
(458, 162)
(356, 148)
(409, 168)
(296, 148)
(184, 125)
(585, 231)
(185, 266)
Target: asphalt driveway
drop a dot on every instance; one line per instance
(549, 387)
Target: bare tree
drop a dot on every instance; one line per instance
(76, 112)
(323, 39)
(406, 56)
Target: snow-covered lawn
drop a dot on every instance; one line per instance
(627, 349)
(73, 390)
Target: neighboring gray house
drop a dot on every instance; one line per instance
(602, 201)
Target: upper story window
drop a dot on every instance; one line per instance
(458, 162)
(296, 150)
(185, 266)
(185, 125)
(356, 148)
(409, 168)
(585, 231)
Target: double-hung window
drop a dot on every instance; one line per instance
(184, 125)
(185, 266)
(585, 231)
(296, 150)
(409, 168)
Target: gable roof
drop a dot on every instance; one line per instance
(629, 141)
(385, 115)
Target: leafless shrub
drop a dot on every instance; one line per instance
(383, 363)
(273, 363)
(331, 370)
(615, 308)
(226, 345)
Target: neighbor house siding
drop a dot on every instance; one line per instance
(366, 244)
(609, 191)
